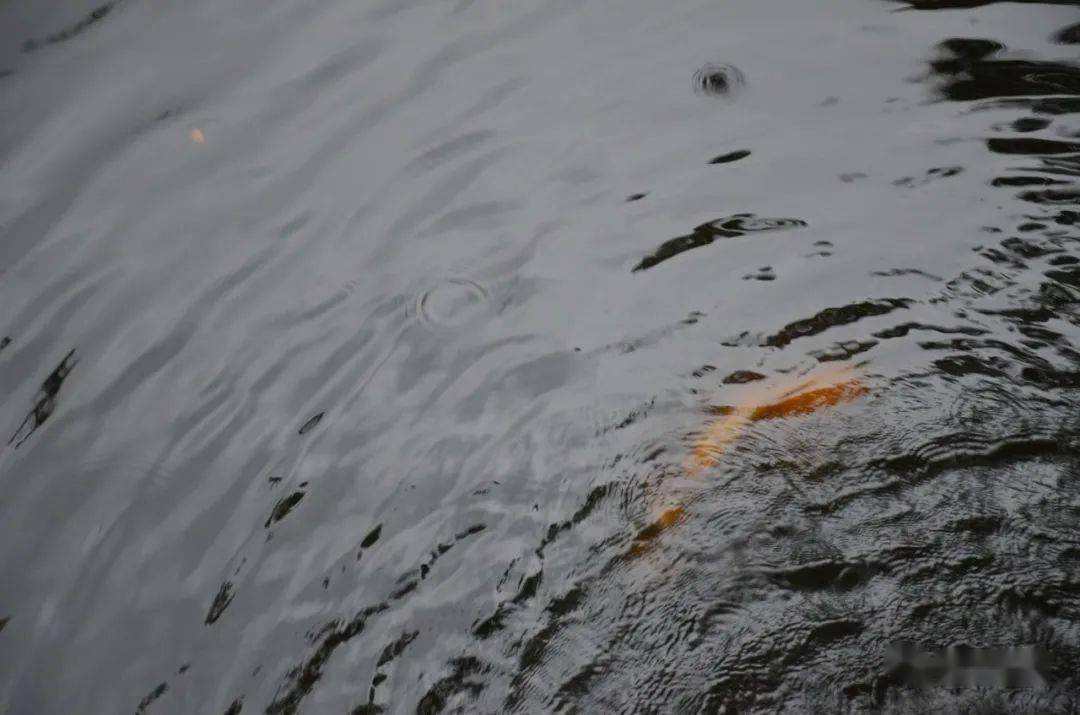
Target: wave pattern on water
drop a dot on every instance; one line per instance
(735, 226)
(374, 407)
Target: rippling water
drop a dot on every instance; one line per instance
(463, 356)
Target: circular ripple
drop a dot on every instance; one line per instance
(748, 224)
(453, 303)
(718, 80)
(987, 405)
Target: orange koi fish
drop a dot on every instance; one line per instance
(827, 388)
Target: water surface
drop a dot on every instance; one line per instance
(354, 356)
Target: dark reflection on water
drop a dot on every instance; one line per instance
(728, 158)
(974, 72)
(95, 15)
(1069, 35)
(960, 4)
(45, 401)
(382, 401)
(732, 227)
(146, 702)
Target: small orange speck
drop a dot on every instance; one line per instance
(197, 136)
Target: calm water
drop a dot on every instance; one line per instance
(472, 356)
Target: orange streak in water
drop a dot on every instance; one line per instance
(666, 519)
(811, 401)
(825, 389)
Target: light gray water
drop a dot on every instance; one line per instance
(354, 354)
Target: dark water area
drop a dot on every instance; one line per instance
(461, 356)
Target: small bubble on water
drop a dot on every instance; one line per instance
(718, 80)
